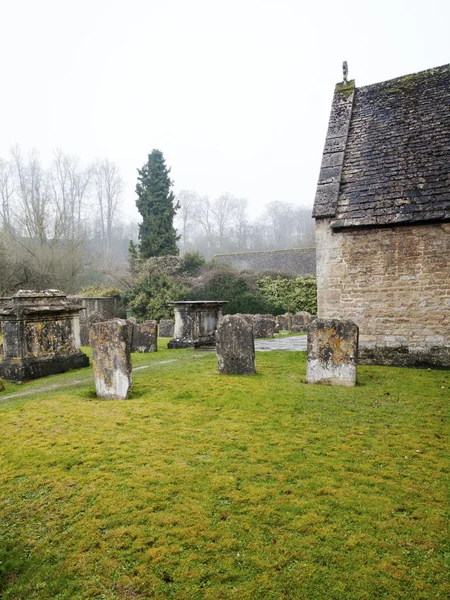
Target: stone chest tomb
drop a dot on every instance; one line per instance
(41, 335)
(382, 211)
(196, 323)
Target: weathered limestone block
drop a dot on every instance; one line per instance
(110, 343)
(3, 302)
(263, 326)
(235, 346)
(144, 338)
(282, 321)
(166, 328)
(300, 321)
(332, 352)
(248, 318)
(85, 329)
(96, 310)
(41, 335)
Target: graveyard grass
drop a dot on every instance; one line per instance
(211, 486)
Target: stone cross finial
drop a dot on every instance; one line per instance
(345, 71)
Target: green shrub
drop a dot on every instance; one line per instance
(223, 283)
(100, 291)
(192, 261)
(150, 297)
(292, 294)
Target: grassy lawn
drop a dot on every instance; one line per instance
(217, 487)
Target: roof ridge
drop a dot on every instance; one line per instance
(395, 80)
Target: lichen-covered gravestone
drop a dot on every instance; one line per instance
(332, 352)
(166, 328)
(263, 326)
(144, 338)
(111, 345)
(235, 346)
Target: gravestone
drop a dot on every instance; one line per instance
(235, 346)
(196, 322)
(2, 387)
(248, 318)
(166, 328)
(41, 335)
(144, 338)
(96, 310)
(301, 321)
(282, 321)
(85, 328)
(110, 344)
(332, 352)
(263, 326)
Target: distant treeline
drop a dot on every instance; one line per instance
(223, 225)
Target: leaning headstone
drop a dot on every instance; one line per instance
(110, 344)
(263, 326)
(332, 352)
(144, 338)
(86, 325)
(235, 346)
(300, 321)
(166, 328)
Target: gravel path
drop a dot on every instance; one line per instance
(294, 343)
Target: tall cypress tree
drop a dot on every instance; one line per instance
(156, 204)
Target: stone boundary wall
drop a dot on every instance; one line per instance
(394, 283)
(295, 261)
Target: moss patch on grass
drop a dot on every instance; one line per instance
(210, 486)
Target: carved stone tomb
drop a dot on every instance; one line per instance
(41, 335)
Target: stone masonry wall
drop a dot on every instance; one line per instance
(394, 282)
(296, 261)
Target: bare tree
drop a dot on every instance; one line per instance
(6, 193)
(188, 202)
(240, 223)
(34, 197)
(71, 186)
(205, 218)
(109, 187)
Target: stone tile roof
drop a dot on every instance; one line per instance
(387, 154)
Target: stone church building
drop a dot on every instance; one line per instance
(382, 211)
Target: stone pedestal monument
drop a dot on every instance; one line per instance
(196, 323)
(41, 335)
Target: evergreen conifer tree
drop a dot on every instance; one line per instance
(155, 202)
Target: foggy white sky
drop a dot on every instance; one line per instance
(235, 93)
